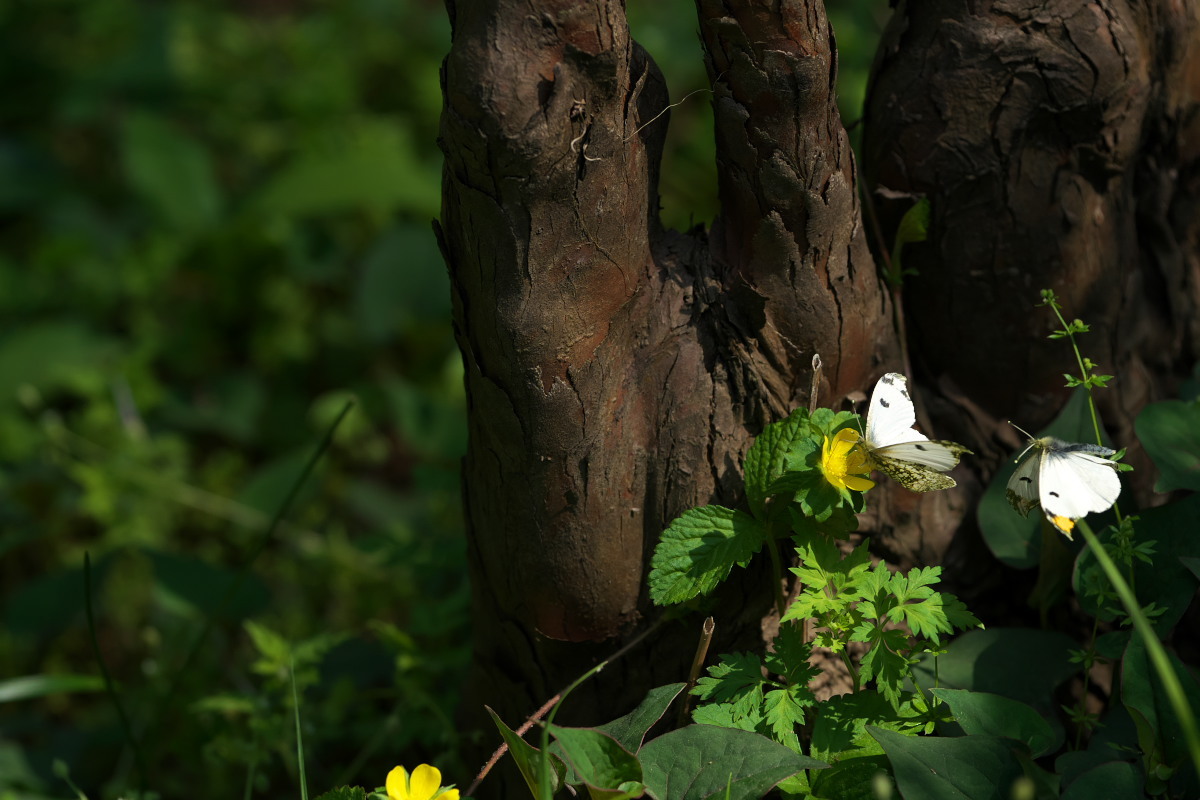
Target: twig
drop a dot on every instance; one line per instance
(549, 704)
(815, 392)
(706, 634)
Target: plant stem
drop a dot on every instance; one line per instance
(776, 574)
(1158, 655)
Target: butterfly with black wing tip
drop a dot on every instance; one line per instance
(899, 451)
(1067, 480)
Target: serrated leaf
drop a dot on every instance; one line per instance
(783, 710)
(790, 656)
(698, 551)
(345, 793)
(703, 761)
(765, 460)
(839, 726)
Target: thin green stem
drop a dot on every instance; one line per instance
(777, 574)
(1085, 376)
(235, 585)
(544, 768)
(1158, 655)
(1087, 677)
(849, 662)
(138, 756)
(299, 735)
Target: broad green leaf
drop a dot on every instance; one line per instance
(1170, 432)
(703, 761)
(1014, 539)
(402, 280)
(850, 779)
(597, 759)
(765, 459)
(1167, 581)
(699, 549)
(992, 715)
(171, 171)
(529, 759)
(55, 355)
(942, 768)
(1018, 663)
(1159, 732)
(1192, 564)
(366, 164)
(1116, 780)
(30, 686)
(630, 729)
(191, 587)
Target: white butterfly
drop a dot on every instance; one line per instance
(1069, 481)
(896, 449)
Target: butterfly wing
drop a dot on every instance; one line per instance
(891, 415)
(1022, 490)
(941, 455)
(1076, 480)
(914, 477)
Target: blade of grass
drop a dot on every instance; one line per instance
(236, 584)
(109, 688)
(1158, 656)
(299, 735)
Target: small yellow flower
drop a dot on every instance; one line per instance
(844, 463)
(425, 783)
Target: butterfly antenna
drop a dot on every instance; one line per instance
(1029, 436)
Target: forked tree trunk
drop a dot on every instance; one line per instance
(617, 372)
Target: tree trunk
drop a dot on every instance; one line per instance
(617, 372)
(1059, 144)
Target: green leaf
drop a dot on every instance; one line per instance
(736, 678)
(598, 759)
(790, 656)
(529, 759)
(366, 164)
(1159, 732)
(784, 711)
(1018, 663)
(840, 725)
(171, 171)
(941, 768)
(851, 779)
(992, 715)
(699, 549)
(913, 227)
(703, 761)
(1012, 538)
(883, 663)
(765, 459)
(1166, 581)
(631, 729)
(402, 280)
(345, 793)
(1115, 780)
(1170, 432)
(28, 687)
(191, 587)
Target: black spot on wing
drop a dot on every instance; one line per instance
(884, 403)
(889, 379)
(1025, 479)
(921, 447)
(1054, 494)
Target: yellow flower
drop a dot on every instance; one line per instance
(425, 783)
(844, 464)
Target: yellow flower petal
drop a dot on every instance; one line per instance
(842, 462)
(425, 782)
(859, 484)
(397, 784)
(449, 794)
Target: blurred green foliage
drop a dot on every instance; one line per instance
(214, 229)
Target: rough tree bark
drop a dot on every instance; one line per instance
(1059, 144)
(617, 372)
